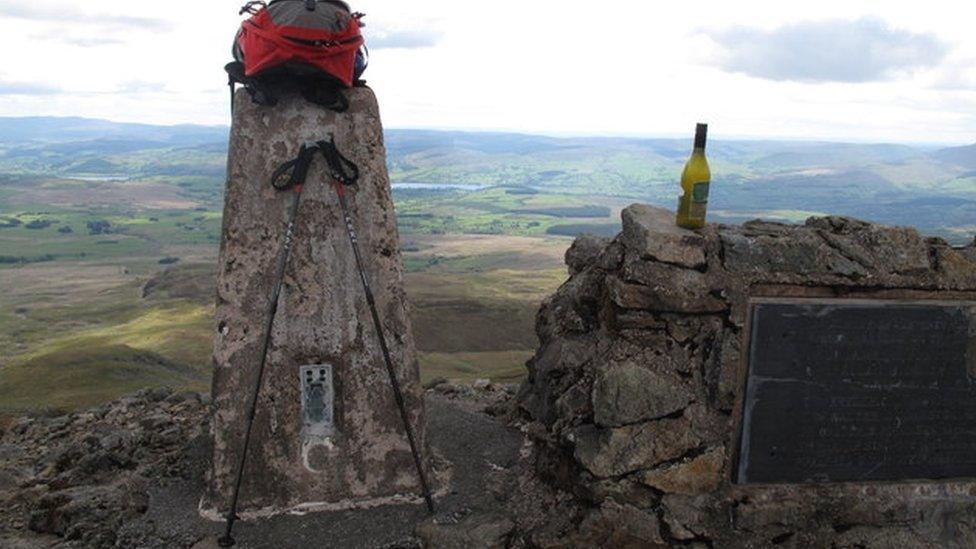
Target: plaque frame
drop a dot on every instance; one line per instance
(789, 294)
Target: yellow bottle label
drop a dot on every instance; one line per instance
(699, 192)
(699, 201)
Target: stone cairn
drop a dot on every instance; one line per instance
(355, 452)
(630, 396)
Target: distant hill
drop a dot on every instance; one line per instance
(802, 155)
(49, 129)
(934, 190)
(85, 137)
(960, 156)
(70, 145)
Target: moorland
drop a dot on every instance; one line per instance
(109, 235)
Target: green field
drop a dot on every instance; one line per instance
(125, 299)
(79, 332)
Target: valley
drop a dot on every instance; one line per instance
(109, 235)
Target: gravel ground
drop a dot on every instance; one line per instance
(55, 493)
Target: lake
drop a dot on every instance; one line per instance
(407, 185)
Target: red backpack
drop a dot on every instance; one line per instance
(310, 46)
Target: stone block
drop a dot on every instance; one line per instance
(662, 298)
(622, 450)
(799, 257)
(697, 475)
(488, 530)
(616, 525)
(674, 289)
(652, 233)
(956, 268)
(895, 250)
(585, 251)
(627, 393)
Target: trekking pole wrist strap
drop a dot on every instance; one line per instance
(292, 174)
(341, 169)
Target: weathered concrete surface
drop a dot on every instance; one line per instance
(322, 319)
(631, 394)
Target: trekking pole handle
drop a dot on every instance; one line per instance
(296, 169)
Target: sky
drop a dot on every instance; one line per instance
(851, 70)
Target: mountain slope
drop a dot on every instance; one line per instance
(64, 129)
(960, 156)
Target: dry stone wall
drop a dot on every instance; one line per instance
(631, 394)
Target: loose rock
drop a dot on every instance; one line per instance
(480, 531)
(651, 232)
(692, 476)
(584, 252)
(618, 451)
(627, 393)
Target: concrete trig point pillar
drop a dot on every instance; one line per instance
(327, 433)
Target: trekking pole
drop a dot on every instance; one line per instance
(340, 168)
(298, 169)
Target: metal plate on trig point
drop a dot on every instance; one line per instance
(318, 399)
(857, 391)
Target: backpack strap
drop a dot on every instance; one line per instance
(319, 91)
(260, 92)
(324, 93)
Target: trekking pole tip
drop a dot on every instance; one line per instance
(225, 541)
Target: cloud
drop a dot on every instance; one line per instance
(26, 88)
(140, 86)
(957, 75)
(132, 87)
(89, 42)
(66, 14)
(74, 39)
(380, 38)
(835, 50)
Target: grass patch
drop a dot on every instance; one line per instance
(507, 366)
(71, 378)
(172, 330)
(473, 325)
(79, 333)
(195, 281)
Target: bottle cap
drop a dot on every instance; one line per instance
(701, 131)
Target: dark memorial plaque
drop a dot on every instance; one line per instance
(859, 391)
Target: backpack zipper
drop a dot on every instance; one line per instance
(325, 43)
